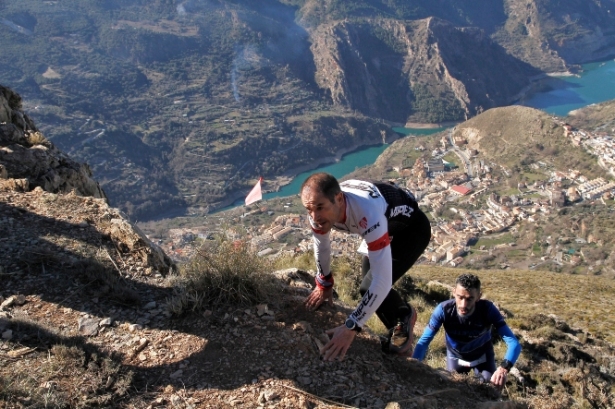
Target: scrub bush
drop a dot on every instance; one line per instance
(224, 273)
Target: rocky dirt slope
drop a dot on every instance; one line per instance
(221, 359)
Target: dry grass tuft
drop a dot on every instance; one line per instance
(68, 377)
(347, 272)
(434, 291)
(548, 333)
(303, 261)
(223, 273)
(541, 321)
(36, 138)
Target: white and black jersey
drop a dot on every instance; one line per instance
(369, 207)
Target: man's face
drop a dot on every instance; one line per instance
(465, 300)
(321, 210)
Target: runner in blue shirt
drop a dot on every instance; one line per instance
(467, 322)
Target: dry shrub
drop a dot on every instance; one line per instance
(348, 277)
(223, 273)
(37, 138)
(434, 291)
(571, 387)
(406, 286)
(590, 388)
(541, 321)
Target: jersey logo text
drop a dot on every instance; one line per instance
(367, 187)
(403, 210)
(371, 229)
(358, 313)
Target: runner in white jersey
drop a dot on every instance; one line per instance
(396, 233)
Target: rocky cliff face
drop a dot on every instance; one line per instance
(28, 160)
(553, 35)
(51, 208)
(427, 70)
(578, 30)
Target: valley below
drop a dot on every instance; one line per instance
(179, 108)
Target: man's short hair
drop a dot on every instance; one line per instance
(468, 281)
(323, 182)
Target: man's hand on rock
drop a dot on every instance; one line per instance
(318, 297)
(339, 344)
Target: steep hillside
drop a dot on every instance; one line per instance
(552, 34)
(86, 312)
(521, 159)
(517, 136)
(598, 117)
(548, 34)
(90, 316)
(55, 212)
(484, 14)
(424, 71)
(28, 160)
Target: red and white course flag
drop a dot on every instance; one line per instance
(255, 194)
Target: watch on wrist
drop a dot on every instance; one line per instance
(352, 325)
(506, 364)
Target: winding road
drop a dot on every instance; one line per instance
(462, 156)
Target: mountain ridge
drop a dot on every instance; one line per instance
(428, 59)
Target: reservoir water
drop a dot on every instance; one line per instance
(344, 166)
(563, 94)
(596, 83)
(348, 163)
